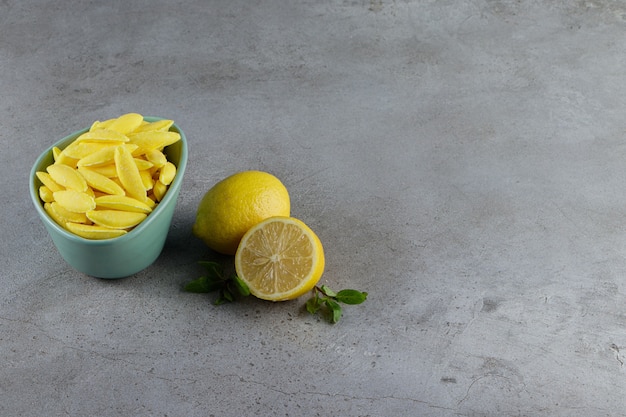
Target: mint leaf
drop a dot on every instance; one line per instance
(335, 310)
(214, 269)
(202, 285)
(220, 300)
(327, 291)
(241, 286)
(351, 296)
(313, 305)
(216, 280)
(228, 295)
(323, 296)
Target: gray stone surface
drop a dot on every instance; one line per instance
(462, 161)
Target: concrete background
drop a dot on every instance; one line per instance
(461, 161)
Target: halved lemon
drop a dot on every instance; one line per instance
(279, 259)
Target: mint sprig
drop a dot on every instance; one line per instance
(326, 300)
(227, 286)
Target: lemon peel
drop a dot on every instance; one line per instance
(235, 204)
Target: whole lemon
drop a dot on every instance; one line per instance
(236, 204)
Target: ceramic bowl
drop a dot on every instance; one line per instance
(121, 256)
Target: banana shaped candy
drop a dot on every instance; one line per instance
(110, 178)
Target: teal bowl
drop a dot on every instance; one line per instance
(121, 256)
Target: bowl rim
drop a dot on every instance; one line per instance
(34, 191)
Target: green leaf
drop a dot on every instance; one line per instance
(214, 269)
(351, 296)
(327, 291)
(220, 300)
(313, 305)
(335, 310)
(202, 285)
(224, 296)
(241, 286)
(228, 295)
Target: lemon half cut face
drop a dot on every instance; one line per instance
(280, 259)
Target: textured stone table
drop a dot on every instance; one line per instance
(462, 161)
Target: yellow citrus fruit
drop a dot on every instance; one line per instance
(235, 204)
(280, 259)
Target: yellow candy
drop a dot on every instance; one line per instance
(79, 150)
(105, 156)
(69, 216)
(95, 125)
(93, 231)
(60, 220)
(115, 219)
(157, 157)
(126, 123)
(97, 187)
(159, 125)
(168, 172)
(45, 194)
(120, 202)
(100, 182)
(159, 190)
(75, 201)
(100, 125)
(62, 159)
(108, 171)
(142, 164)
(47, 180)
(146, 178)
(62, 216)
(55, 153)
(150, 202)
(67, 177)
(103, 135)
(154, 140)
(128, 173)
